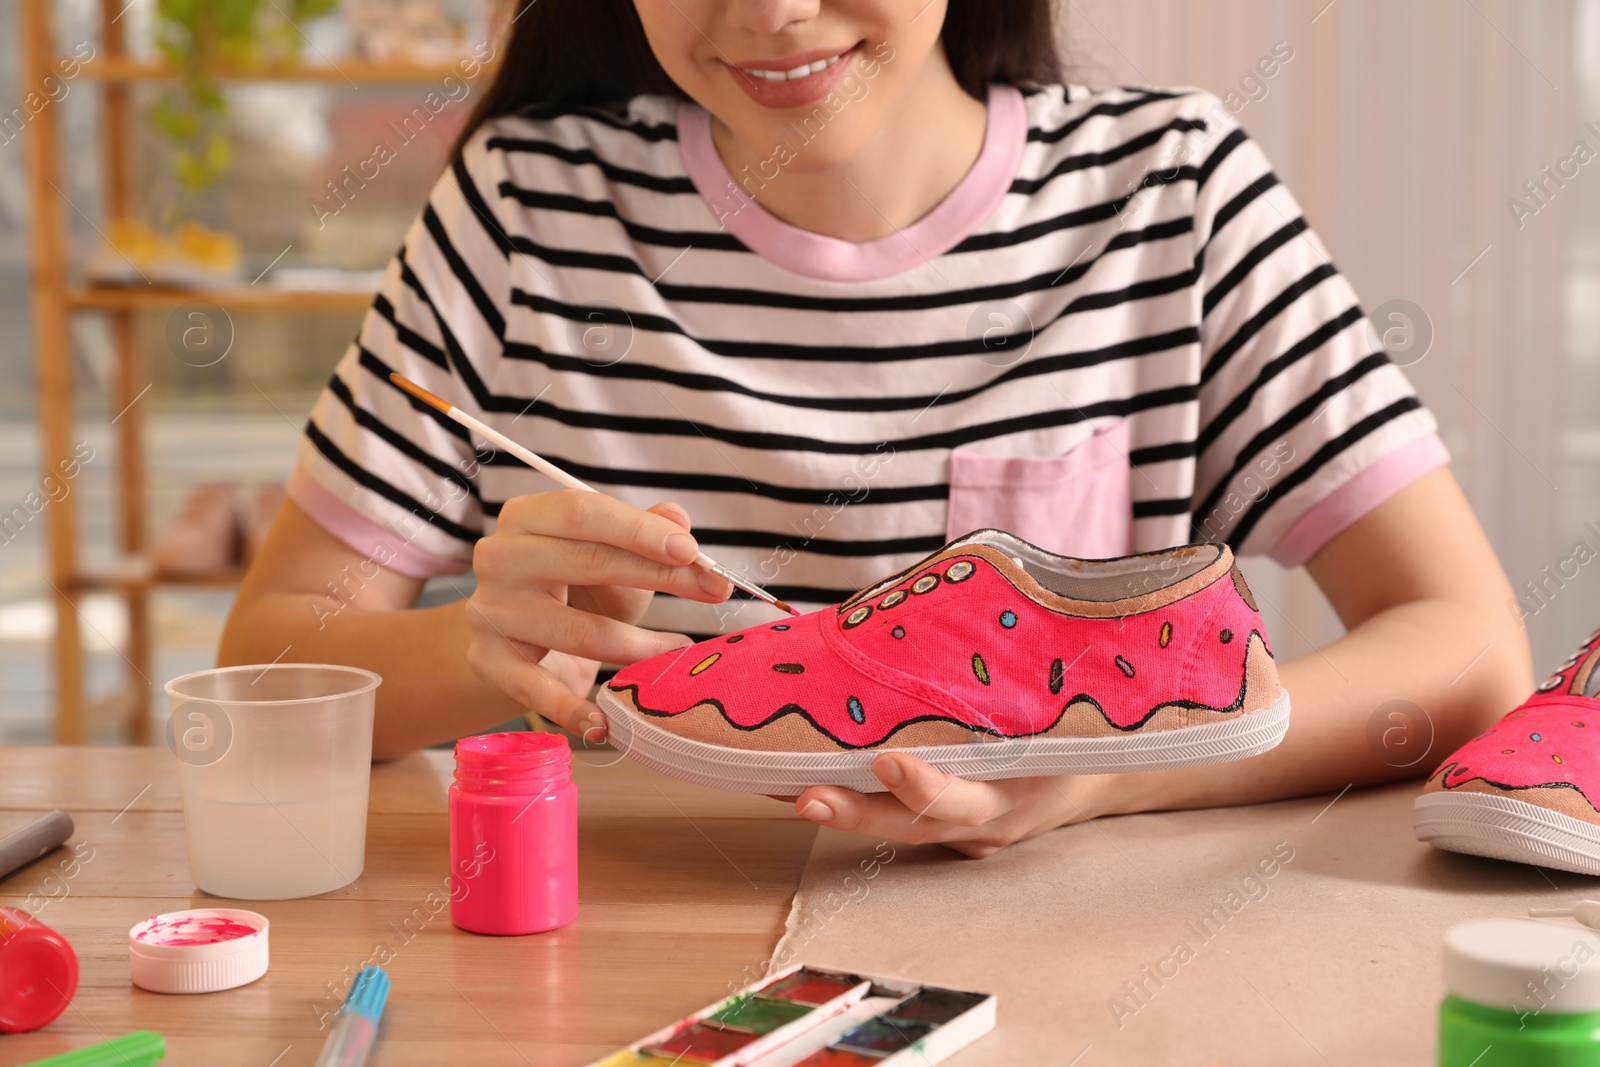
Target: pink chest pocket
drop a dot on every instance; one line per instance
(1079, 504)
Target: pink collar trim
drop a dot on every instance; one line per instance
(954, 218)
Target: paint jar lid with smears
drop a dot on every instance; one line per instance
(201, 951)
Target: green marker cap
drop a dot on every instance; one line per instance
(143, 1048)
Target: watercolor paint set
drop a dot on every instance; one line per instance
(807, 1016)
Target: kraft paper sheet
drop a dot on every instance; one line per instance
(1117, 942)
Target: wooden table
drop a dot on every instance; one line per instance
(684, 893)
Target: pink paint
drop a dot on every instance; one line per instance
(513, 834)
(192, 930)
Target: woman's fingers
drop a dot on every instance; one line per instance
(923, 805)
(556, 626)
(538, 560)
(578, 516)
(576, 538)
(514, 668)
(574, 672)
(668, 510)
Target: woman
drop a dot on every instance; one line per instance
(844, 279)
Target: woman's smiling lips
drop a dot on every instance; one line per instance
(795, 80)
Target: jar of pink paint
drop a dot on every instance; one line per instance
(513, 834)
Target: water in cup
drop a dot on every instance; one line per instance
(274, 764)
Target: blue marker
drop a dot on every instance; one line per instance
(355, 1029)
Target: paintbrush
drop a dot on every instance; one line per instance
(544, 466)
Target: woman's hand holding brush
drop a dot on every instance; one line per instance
(568, 574)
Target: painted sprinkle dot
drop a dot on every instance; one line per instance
(959, 571)
(1556, 758)
(898, 632)
(706, 663)
(1535, 737)
(1507, 751)
(892, 599)
(1166, 634)
(1008, 618)
(1124, 666)
(1058, 675)
(925, 583)
(1578, 724)
(781, 626)
(980, 668)
(1226, 635)
(789, 668)
(735, 639)
(857, 712)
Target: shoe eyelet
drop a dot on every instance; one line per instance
(1554, 681)
(925, 583)
(959, 571)
(892, 599)
(858, 616)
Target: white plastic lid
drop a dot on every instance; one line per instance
(1522, 965)
(199, 951)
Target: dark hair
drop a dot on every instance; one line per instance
(594, 52)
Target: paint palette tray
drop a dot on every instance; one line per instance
(807, 1016)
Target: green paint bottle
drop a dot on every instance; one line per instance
(1520, 993)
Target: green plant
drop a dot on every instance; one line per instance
(199, 36)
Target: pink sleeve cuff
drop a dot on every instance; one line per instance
(1334, 513)
(362, 534)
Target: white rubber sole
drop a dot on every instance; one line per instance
(1505, 828)
(787, 773)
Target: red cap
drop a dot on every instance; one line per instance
(38, 972)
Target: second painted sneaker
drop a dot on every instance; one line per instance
(992, 658)
(1526, 788)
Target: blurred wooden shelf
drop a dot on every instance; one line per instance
(242, 297)
(138, 574)
(115, 76)
(352, 69)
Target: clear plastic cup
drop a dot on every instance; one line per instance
(274, 763)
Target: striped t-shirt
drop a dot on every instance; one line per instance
(1116, 334)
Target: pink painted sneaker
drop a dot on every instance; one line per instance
(1526, 788)
(989, 659)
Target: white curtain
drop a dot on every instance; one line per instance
(1407, 128)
